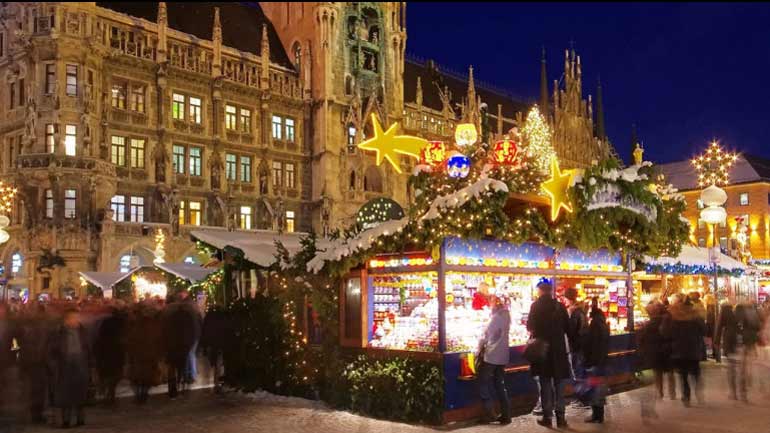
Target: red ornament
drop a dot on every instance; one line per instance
(433, 154)
(504, 152)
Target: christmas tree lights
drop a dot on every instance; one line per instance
(537, 140)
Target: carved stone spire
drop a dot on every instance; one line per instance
(471, 112)
(500, 119)
(600, 132)
(418, 97)
(216, 32)
(264, 53)
(543, 87)
(162, 26)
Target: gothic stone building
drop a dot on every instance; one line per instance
(118, 119)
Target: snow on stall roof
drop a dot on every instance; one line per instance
(258, 246)
(695, 256)
(341, 248)
(187, 271)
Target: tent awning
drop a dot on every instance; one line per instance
(106, 280)
(696, 256)
(186, 271)
(257, 246)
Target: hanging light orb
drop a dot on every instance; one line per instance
(466, 134)
(458, 166)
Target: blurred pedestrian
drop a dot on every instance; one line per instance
(6, 358)
(548, 323)
(686, 327)
(71, 353)
(727, 340)
(181, 328)
(33, 337)
(110, 352)
(144, 347)
(494, 353)
(578, 326)
(596, 350)
(749, 325)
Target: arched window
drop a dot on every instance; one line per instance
(350, 131)
(352, 180)
(297, 52)
(17, 262)
(372, 180)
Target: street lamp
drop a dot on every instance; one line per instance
(714, 214)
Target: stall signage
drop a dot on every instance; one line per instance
(571, 259)
(611, 196)
(399, 262)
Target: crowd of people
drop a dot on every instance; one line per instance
(569, 345)
(63, 355)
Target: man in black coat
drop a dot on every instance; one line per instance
(548, 321)
(727, 339)
(181, 328)
(110, 352)
(686, 327)
(596, 345)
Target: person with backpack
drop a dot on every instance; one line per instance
(548, 325)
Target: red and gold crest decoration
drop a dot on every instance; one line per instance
(434, 154)
(504, 152)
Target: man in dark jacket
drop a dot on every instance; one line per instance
(596, 346)
(110, 352)
(748, 327)
(181, 331)
(578, 328)
(727, 339)
(71, 353)
(548, 321)
(686, 328)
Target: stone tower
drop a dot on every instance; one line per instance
(351, 60)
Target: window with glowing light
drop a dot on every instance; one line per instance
(70, 203)
(246, 169)
(231, 117)
(743, 199)
(137, 153)
(137, 209)
(17, 261)
(72, 80)
(196, 160)
(49, 203)
(50, 142)
(195, 110)
(118, 207)
(246, 217)
(118, 150)
(195, 213)
(70, 140)
(289, 221)
(231, 166)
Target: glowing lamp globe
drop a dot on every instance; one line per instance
(458, 166)
(713, 215)
(4, 221)
(433, 154)
(504, 152)
(465, 134)
(713, 196)
(4, 236)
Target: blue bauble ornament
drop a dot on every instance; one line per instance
(458, 166)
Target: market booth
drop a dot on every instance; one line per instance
(427, 304)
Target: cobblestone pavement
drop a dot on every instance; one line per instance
(203, 411)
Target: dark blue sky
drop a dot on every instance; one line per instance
(684, 73)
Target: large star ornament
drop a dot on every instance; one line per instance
(388, 145)
(556, 187)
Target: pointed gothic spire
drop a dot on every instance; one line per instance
(216, 37)
(600, 132)
(162, 26)
(418, 97)
(543, 86)
(264, 53)
(500, 120)
(471, 112)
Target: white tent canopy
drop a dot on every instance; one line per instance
(696, 256)
(106, 280)
(186, 271)
(258, 246)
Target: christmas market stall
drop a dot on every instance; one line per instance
(496, 218)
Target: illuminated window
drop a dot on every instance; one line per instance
(182, 218)
(195, 213)
(17, 261)
(177, 106)
(290, 178)
(351, 137)
(231, 117)
(50, 78)
(72, 80)
(178, 158)
(277, 127)
(70, 140)
(125, 263)
(137, 98)
(137, 153)
(289, 221)
(137, 209)
(246, 169)
(277, 173)
(50, 143)
(70, 203)
(118, 153)
(119, 95)
(196, 161)
(245, 120)
(231, 166)
(246, 217)
(744, 199)
(118, 206)
(49, 203)
(289, 129)
(195, 109)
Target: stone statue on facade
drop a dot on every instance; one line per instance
(278, 216)
(172, 205)
(86, 128)
(30, 124)
(326, 210)
(263, 180)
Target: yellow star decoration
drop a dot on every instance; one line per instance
(556, 187)
(388, 145)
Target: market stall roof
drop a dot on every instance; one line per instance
(258, 246)
(106, 280)
(696, 256)
(187, 271)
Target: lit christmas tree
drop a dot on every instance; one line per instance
(536, 136)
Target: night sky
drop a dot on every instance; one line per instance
(683, 73)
